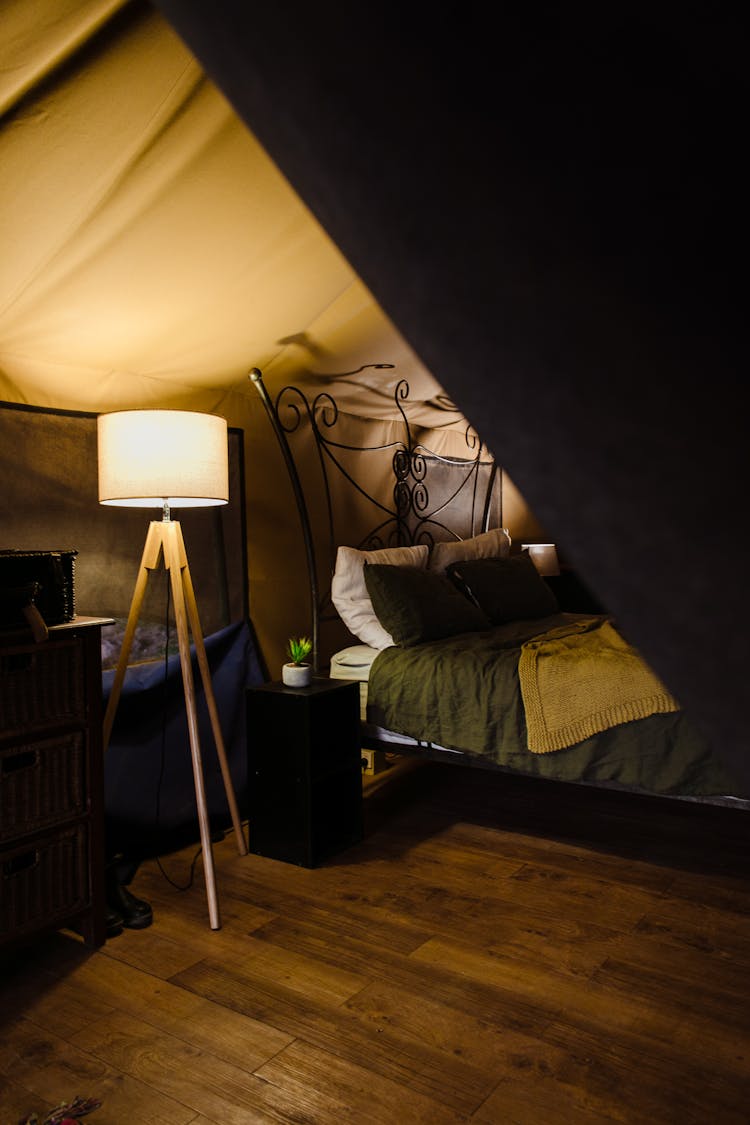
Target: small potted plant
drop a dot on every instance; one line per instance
(298, 672)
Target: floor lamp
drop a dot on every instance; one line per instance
(165, 459)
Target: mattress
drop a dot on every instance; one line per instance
(354, 663)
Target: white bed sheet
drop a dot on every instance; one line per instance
(354, 663)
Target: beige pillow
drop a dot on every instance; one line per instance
(349, 593)
(490, 544)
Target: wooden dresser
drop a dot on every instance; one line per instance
(51, 783)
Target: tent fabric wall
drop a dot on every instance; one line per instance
(138, 210)
(550, 209)
(52, 504)
(153, 253)
(539, 217)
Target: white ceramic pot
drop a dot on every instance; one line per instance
(296, 675)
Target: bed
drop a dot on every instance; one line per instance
(463, 650)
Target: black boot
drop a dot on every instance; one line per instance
(113, 921)
(135, 913)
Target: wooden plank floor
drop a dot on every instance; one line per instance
(495, 951)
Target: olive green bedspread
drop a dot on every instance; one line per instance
(463, 693)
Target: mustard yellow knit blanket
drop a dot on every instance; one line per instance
(582, 678)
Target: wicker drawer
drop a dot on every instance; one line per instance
(42, 784)
(44, 882)
(41, 685)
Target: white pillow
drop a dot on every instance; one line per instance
(489, 544)
(349, 593)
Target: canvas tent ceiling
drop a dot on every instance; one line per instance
(547, 212)
(152, 252)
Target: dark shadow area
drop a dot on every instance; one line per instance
(426, 798)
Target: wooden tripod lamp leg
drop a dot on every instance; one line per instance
(200, 649)
(149, 561)
(174, 557)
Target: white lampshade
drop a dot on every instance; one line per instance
(544, 556)
(151, 457)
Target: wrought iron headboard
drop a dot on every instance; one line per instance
(407, 517)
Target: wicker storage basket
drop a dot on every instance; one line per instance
(41, 685)
(41, 784)
(44, 881)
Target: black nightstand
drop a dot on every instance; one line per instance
(305, 770)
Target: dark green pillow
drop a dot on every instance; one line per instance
(509, 589)
(415, 605)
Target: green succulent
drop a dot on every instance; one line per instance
(299, 648)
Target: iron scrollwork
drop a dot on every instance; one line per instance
(410, 517)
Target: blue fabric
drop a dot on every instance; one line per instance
(150, 806)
